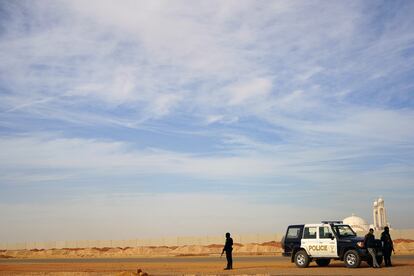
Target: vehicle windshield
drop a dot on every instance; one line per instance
(344, 231)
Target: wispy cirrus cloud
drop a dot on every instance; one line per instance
(148, 56)
(248, 96)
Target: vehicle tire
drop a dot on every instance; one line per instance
(352, 259)
(302, 259)
(323, 262)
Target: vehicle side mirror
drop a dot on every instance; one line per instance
(330, 236)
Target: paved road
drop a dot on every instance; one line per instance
(239, 259)
(213, 265)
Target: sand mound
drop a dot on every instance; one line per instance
(215, 246)
(271, 243)
(402, 246)
(403, 241)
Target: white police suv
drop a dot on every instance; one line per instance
(325, 241)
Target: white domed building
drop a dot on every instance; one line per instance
(357, 223)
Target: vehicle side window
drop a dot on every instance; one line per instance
(344, 231)
(309, 233)
(293, 233)
(325, 232)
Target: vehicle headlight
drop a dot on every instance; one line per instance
(360, 244)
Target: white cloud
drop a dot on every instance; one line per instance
(247, 90)
(146, 55)
(309, 73)
(372, 126)
(243, 158)
(211, 119)
(163, 104)
(116, 158)
(214, 118)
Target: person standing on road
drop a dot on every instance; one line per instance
(228, 248)
(387, 245)
(369, 242)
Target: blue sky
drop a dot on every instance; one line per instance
(166, 118)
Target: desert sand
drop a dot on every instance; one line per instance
(267, 248)
(259, 259)
(258, 265)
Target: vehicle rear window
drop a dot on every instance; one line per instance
(309, 233)
(293, 233)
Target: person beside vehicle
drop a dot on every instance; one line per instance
(387, 245)
(369, 242)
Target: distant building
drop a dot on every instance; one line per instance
(380, 215)
(357, 223)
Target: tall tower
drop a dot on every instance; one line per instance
(380, 214)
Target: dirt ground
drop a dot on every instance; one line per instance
(194, 266)
(402, 246)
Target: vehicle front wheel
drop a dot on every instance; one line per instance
(323, 262)
(352, 259)
(302, 259)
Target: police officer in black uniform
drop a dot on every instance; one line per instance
(369, 242)
(228, 248)
(387, 245)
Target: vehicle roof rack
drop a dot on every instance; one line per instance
(332, 221)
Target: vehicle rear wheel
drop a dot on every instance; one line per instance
(323, 262)
(352, 259)
(302, 259)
